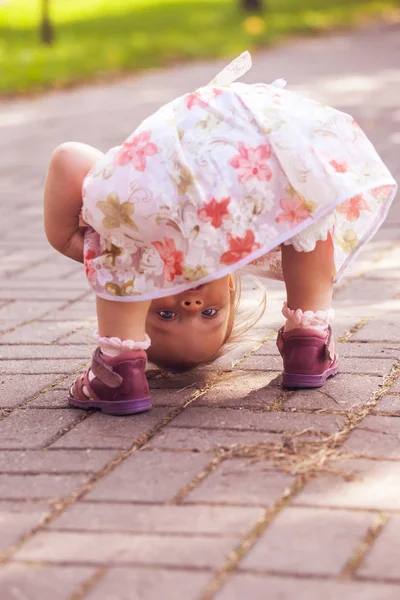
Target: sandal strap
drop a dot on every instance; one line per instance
(104, 372)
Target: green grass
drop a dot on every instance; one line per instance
(97, 38)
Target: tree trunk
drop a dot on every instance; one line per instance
(46, 28)
(252, 5)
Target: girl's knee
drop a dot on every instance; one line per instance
(64, 157)
(73, 158)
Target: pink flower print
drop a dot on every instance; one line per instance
(90, 270)
(239, 248)
(195, 99)
(251, 163)
(136, 151)
(353, 207)
(95, 270)
(382, 193)
(215, 212)
(294, 211)
(171, 257)
(340, 167)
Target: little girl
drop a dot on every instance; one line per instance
(230, 178)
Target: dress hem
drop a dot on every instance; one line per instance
(228, 270)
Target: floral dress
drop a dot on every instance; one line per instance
(216, 180)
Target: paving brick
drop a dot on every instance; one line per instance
(148, 584)
(380, 329)
(54, 398)
(74, 312)
(118, 548)
(8, 325)
(64, 382)
(395, 387)
(36, 487)
(34, 428)
(366, 350)
(382, 559)
(83, 336)
(54, 461)
(36, 582)
(237, 389)
(389, 404)
(280, 588)
(376, 437)
(190, 381)
(373, 485)
(149, 477)
(144, 518)
(257, 362)
(369, 294)
(43, 332)
(339, 393)
(371, 444)
(331, 537)
(20, 282)
(201, 440)
(27, 310)
(17, 520)
(29, 367)
(345, 350)
(34, 352)
(374, 366)
(240, 482)
(50, 271)
(63, 293)
(275, 422)
(100, 431)
(171, 397)
(15, 389)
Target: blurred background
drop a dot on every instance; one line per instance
(58, 43)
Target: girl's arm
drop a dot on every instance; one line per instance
(69, 165)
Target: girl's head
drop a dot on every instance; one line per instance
(191, 328)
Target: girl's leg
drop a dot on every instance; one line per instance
(309, 276)
(123, 320)
(116, 380)
(305, 342)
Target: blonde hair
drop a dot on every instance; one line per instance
(243, 320)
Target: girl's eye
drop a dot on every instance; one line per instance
(210, 312)
(167, 315)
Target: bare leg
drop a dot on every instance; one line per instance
(309, 276)
(125, 320)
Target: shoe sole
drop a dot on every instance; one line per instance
(123, 407)
(298, 381)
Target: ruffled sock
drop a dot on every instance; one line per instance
(297, 319)
(114, 346)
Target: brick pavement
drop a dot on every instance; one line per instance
(230, 487)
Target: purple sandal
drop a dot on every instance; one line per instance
(116, 386)
(309, 357)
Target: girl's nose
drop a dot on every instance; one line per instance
(192, 303)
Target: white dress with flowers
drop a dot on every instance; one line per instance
(216, 180)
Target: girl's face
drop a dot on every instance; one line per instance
(189, 329)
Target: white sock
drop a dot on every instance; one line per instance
(297, 319)
(113, 346)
